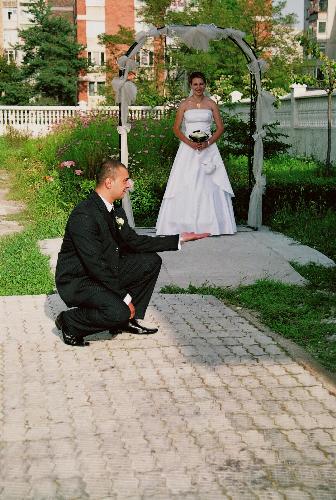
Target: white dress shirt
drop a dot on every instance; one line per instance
(127, 299)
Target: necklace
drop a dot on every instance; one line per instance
(198, 103)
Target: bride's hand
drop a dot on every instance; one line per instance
(194, 145)
(202, 145)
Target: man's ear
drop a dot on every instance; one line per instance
(109, 182)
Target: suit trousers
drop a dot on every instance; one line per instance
(103, 309)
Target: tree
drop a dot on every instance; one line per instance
(268, 31)
(13, 89)
(325, 79)
(155, 12)
(52, 58)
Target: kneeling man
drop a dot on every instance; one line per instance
(105, 271)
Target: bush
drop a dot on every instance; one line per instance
(235, 140)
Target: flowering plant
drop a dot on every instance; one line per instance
(67, 164)
(120, 221)
(199, 136)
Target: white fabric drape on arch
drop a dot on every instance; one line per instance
(198, 37)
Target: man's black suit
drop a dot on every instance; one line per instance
(100, 262)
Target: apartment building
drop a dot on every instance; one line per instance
(320, 19)
(92, 18)
(14, 17)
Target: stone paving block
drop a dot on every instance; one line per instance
(269, 494)
(177, 481)
(44, 488)
(210, 409)
(296, 494)
(14, 490)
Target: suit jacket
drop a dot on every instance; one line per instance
(92, 246)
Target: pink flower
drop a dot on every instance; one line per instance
(79, 172)
(67, 164)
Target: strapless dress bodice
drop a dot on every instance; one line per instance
(197, 119)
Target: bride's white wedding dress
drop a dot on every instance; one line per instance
(198, 194)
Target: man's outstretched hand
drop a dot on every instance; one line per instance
(192, 236)
(132, 310)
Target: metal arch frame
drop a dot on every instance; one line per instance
(253, 95)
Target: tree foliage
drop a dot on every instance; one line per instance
(266, 28)
(52, 58)
(13, 90)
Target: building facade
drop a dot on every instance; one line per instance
(320, 19)
(14, 17)
(92, 18)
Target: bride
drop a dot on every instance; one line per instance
(198, 194)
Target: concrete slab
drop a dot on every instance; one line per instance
(231, 261)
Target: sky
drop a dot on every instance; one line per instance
(297, 7)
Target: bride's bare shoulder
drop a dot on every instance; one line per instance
(210, 102)
(185, 104)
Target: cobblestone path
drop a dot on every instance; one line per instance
(208, 408)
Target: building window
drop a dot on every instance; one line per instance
(91, 88)
(96, 58)
(10, 55)
(322, 27)
(100, 88)
(145, 57)
(323, 6)
(322, 48)
(9, 15)
(319, 75)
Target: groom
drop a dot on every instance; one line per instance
(105, 271)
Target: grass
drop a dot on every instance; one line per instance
(23, 269)
(310, 226)
(280, 170)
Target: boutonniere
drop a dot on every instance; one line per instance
(120, 222)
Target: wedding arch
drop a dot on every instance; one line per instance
(261, 104)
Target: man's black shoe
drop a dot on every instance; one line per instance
(114, 332)
(68, 338)
(137, 329)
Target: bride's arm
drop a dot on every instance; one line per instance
(219, 124)
(177, 127)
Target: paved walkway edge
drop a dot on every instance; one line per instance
(298, 353)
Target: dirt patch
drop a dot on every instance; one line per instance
(8, 208)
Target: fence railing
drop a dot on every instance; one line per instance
(39, 120)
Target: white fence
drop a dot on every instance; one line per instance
(39, 120)
(302, 115)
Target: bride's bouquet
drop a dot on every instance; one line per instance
(199, 136)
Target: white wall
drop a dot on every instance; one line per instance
(303, 117)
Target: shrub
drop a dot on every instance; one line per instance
(235, 140)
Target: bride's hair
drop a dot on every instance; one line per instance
(196, 74)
